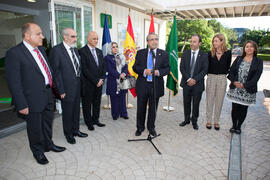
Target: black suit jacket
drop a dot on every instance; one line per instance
(64, 73)
(91, 73)
(25, 80)
(161, 64)
(201, 68)
(254, 73)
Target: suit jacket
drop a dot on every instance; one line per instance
(64, 73)
(91, 73)
(25, 79)
(253, 77)
(161, 64)
(201, 68)
(113, 74)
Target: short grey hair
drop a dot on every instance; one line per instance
(65, 31)
(152, 33)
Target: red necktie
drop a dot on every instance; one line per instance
(44, 66)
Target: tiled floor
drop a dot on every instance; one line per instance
(107, 155)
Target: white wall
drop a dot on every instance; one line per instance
(120, 15)
(43, 21)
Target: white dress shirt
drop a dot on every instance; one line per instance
(196, 55)
(70, 55)
(35, 56)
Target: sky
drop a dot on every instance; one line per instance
(262, 22)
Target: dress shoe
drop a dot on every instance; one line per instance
(55, 148)
(41, 158)
(216, 126)
(115, 118)
(232, 130)
(238, 131)
(138, 133)
(208, 125)
(91, 128)
(153, 132)
(184, 123)
(71, 140)
(125, 117)
(195, 126)
(100, 124)
(80, 134)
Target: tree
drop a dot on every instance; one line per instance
(261, 37)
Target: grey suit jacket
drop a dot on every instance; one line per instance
(201, 68)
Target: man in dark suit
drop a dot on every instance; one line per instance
(150, 61)
(65, 61)
(29, 79)
(194, 66)
(93, 75)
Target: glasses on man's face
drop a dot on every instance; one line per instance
(115, 47)
(73, 36)
(153, 39)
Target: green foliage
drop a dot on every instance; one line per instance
(265, 57)
(261, 37)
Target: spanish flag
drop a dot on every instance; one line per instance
(152, 26)
(130, 52)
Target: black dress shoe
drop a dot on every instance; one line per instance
(125, 117)
(80, 134)
(100, 124)
(41, 158)
(153, 132)
(91, 128)
(138, 133)
(232, 130)
(238, 131)
(115, 118)
(70, 139)
(55, 148)
(195, 126)
(184, 123)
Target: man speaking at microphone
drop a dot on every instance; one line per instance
(151, 64)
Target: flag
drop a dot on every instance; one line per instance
(106, 38)
(130, 52)
(152, 26)
(171, 48)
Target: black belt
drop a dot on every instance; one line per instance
(48, 86)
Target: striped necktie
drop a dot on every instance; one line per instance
(76, 64)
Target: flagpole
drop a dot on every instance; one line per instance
(129, 106)
(168, 108)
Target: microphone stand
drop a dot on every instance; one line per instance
(149, 137)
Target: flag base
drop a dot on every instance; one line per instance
(168, 108)
(107, 106)
(129, 106)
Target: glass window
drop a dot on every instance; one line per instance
(67, 16)
(88, 24)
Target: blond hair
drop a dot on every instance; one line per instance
(222, 38)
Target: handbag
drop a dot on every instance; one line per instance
(128, 83)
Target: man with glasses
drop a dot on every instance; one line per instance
(65, 61)
(29, 79)
(150, 63)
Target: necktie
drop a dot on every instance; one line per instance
(44, 66)
(76, 64)
(94, 55)
(149, 65)
(192, 64)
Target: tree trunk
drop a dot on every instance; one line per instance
(184, 45)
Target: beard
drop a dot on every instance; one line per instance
(74, 45)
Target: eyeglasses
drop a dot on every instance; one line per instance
(114, 46)
(154, 39)
(73, 36)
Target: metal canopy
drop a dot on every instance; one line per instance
(198, 9)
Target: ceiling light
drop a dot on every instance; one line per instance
(32, 1)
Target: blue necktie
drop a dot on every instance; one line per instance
(149, 65)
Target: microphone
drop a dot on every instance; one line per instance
(153, 53)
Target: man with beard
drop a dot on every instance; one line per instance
(65, 61)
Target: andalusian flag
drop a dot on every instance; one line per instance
(171, 48)
(152, 26)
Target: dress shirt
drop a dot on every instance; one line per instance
(221, 66)
(155, 52)
(196, 55)
(35, 56)
(70, 55)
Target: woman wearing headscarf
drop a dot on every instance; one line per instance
(117, 69)
(244, 75)
(219, 64)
